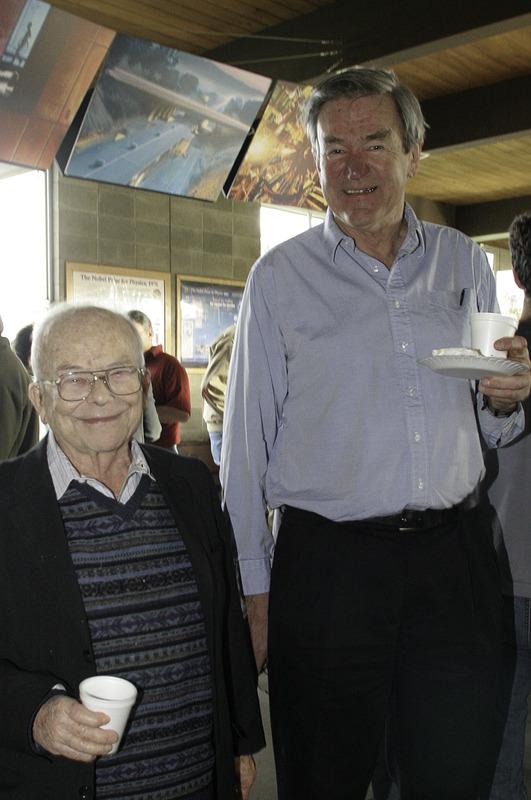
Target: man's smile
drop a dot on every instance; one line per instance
(368, 190)
(96, 420)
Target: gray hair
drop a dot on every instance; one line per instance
(140, 318)
(364, 82)
(65, 313)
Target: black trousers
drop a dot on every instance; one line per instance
(367, 623)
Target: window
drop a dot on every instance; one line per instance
(510, 297)
(23, 247)
(279, 224)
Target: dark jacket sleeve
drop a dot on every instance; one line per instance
(22, 695)
(40, 617)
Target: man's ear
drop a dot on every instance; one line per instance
(316, 157)
(35, 395)
(414, 159)
(517, 280)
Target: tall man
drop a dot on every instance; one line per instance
(19, 423)
(508, 481)
(384, 589)
(171, 387)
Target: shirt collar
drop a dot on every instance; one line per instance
(415, 233)
(63, 471)
(334, 236)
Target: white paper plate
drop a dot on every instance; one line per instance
(472, 367)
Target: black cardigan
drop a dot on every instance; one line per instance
(44, 633)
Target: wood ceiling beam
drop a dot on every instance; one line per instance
(478, 115)
(484, 221)
(463, 37)
(365, 36)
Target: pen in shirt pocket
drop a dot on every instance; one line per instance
(462, 297)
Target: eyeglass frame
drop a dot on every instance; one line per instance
(141, 372)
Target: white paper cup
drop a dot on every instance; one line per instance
(486, 328)
(114, 696)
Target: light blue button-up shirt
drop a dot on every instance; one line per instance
(327, 407)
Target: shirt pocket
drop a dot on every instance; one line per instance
(450, 313)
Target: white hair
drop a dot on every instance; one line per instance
(64, 313)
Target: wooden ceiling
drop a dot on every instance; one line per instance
(470, 66)
(488, 167)
(191, 25)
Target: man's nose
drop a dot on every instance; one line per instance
(356, 166)
(99, 391)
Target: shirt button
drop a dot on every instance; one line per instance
(417, 436)
(397, 303)
(376, 268)
(404, 345)
(411, 390)
(420, 484)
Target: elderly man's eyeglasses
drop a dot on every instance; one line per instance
(119, 381)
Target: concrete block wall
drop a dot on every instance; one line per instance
(96, 223)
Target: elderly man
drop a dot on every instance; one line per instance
(384, 591)
(115, 559)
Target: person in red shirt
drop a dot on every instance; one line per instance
(171, 387)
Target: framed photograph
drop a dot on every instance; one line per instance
(123, 289)
(278, 167)
(48, 60)
(205, 307)
(165, 120)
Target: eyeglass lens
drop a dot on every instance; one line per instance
(119, 381)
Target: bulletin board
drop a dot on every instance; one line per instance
(205, 308)
(122, 289)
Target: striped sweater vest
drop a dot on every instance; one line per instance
(147, 625)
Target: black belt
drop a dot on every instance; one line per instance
(410, 520)
(407, 521)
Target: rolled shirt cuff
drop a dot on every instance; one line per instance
(256, 575)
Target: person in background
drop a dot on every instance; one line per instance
(171, 387)
(19, 423)
(508, 481)
(149, 429)
(385, 596)
(21, 344)
(115, 559)
(214, 387)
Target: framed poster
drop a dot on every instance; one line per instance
(48, 60)
(278, 166)
(205, 307)
(165, 120)
(122, 289)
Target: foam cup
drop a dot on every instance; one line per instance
(113, 696)
(487, 327)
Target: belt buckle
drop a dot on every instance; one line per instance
(406, 527)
